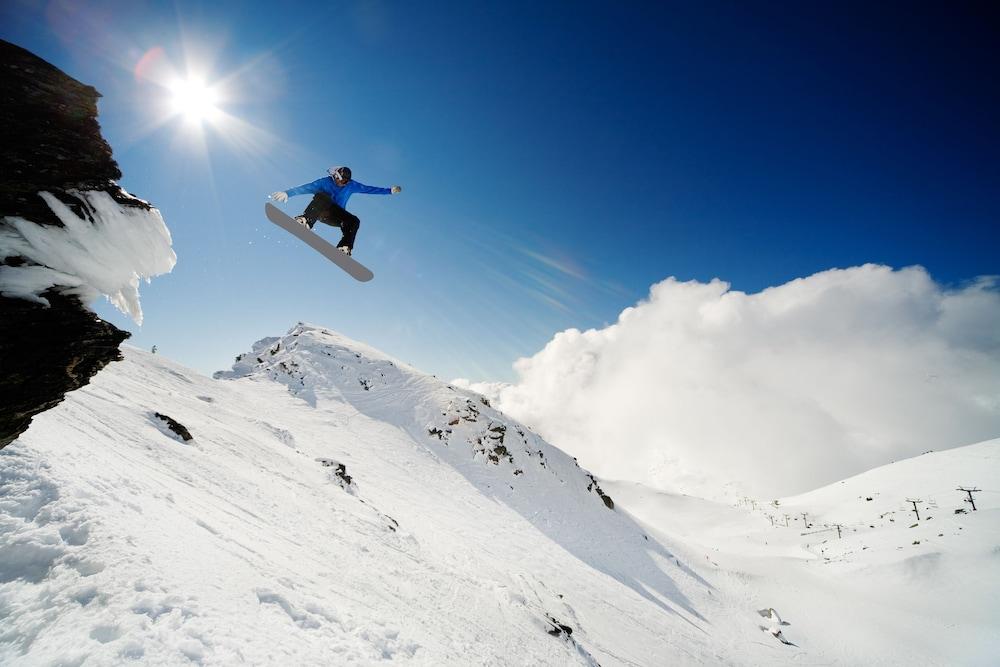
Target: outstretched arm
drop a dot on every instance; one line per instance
(307, 189)
(370, 189)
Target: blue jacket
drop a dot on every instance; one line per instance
(337, 193)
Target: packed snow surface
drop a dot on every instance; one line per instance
(108, 251)
(335, 506)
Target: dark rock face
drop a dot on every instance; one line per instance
(178, 428)
(49, 140)
(46, 352)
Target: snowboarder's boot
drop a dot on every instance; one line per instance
(344, 249)
(301, 219)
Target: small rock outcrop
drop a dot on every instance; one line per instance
(175, 426)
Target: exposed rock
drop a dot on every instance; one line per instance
(596, 488)
(175, 426)
(49, 141)
(46, 352)
(559, 628)
(341, 473)
(345, 481)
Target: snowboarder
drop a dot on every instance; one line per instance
(329, 203)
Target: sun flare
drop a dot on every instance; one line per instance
(195, 100)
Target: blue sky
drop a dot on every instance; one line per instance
(556, 159)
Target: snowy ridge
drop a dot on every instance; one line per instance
(107, 251)
(315, 517)
(316, 364)
(501, 457)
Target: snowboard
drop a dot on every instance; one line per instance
(353, 267)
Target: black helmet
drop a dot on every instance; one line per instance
(343, 172)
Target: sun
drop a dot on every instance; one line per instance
(194, 100)
(197, 101)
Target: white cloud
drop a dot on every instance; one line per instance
(713, 391)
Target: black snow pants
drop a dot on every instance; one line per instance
(327, 211)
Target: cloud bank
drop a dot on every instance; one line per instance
(715, 392)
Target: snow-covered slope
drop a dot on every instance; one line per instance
(888, 588)
(333, 506)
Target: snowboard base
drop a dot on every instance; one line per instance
(353, 267)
